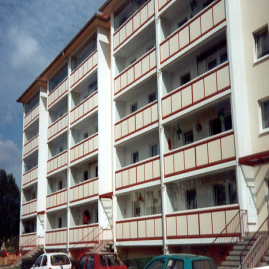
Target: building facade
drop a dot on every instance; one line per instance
(150, 129)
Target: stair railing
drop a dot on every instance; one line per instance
(253, 252)
(228, 237)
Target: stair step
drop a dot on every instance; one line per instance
(231, 263)
(242, 242)
(233, 258)
(240, 247)
(235, 252)
(225, 267)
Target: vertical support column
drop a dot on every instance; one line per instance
(42, 162)
(239, 103)
(161, 130)
(104, 120)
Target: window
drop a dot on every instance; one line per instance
(152, 97)
(60, 185)
(203, 264)
(44, 261)
(215, 126)
(223, 57)
(185, 78)
(157, 264)
(135, 157)
(219, 194)
(60, 223)
(182, 22)
(228, 122)
(265, 114)
(191, 199)
(207, 3)
(132, 61)
(133, 108)
(96, 171)
(211, 64)
(61, 149)
(59, 259)
(153, 150)
(85, 175)
(150, 47)
(38, 261)
(232, 193)
(90, 263)
(175, 264)
(262, 43)
(85, 135)
(188, 137)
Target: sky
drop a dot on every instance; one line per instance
(32, 34)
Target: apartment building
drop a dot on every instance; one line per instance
(151, 129)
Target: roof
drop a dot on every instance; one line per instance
(184, 256)
(255, 159)
(109, 6)
(61, 58)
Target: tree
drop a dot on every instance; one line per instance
(9, 207)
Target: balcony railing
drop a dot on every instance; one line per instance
(138, 173)
(84, 148)
(208, 19)
(84, 68)
(205, 223)
(208, 152)
(137, 121)
(30, 145)
(197, 90)
(58, 92)
(84, 190)
(57, 162)
(134, 23)
(29, 208)
(84, 234)
(57, 126)
(56, 199)
(30, 176)
(28, 240)
(135, 71)
(31, 115)
(56, 237)
(143, 228)
(84, 107)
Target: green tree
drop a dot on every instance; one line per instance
(9, 207)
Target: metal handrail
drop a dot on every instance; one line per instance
(250, 249)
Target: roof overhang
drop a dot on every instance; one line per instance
(96, 21)
(110, 5)
(255, 159)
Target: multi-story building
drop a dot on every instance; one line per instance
(150, 128)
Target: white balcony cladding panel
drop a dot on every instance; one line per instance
(208, 19)
(214, 150)
(84, 148)
(56, 237)
(58, 126)
(139, 173)
(137, 121)
(56, 199)
(197, 90)
(133, 24)
(30, 176)
(84, 68)
(28, 240)
(28, 208)
(145, 228)
(201, 223)
(31, 115)
(84, 190)
(135, 71)
(84, 108)
(84, 234)
(57, 162)
(58, 92)
(31, 145)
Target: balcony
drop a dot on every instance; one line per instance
(31, 116)
(31, 145)
(84, 68)
(84, 190)
(135, 71)
(84, 108)
(56, 237)
(202, 23)
(197, 90)
(29, 208)
(28, 240)
(205, 223)
(57, 162)
(58, 126)
(139, 173)
(137, 121)
(56, 199)
(84, 148)
(207, 152)
(133, 24)
(58, 92)
(30, 176)
(84, 234)
(148, 228)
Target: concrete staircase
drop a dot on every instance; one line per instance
(233, 259)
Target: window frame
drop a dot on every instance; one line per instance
(261, 113)
(255, 36)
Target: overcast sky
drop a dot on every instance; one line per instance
(32, 34)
